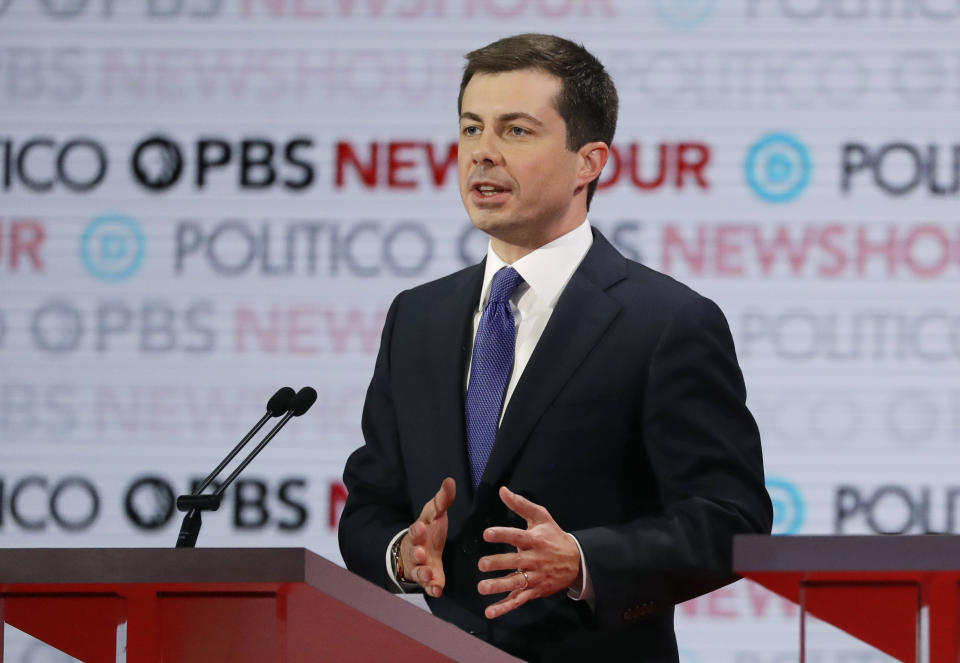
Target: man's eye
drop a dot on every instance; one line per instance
(518, 131)
(471, 131)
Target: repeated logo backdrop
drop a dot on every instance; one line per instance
(203, 200)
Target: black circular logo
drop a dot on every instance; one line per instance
(149, 502)
(157, 163)
(57, 327)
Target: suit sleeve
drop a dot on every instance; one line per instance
(377, 504)
(704, 448)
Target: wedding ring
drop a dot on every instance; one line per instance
(526, 578)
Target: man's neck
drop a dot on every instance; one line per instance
(512, 250)
(510, 253)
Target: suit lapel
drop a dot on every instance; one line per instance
(449, 341)
(582, 314)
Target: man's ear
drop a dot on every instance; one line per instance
(593, 157)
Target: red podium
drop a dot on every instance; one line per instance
(230, 604)
(873, 587)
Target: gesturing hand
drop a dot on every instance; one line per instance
(422, 546)
(545, 553)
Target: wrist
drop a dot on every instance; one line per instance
(397, 560)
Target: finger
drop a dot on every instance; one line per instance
(423, 575)
(518, 538)
(420, 555)
(516, 599)
(441, 501)
(504, 562)
(434, 587)
(508, 583)
(417, 533)
(447, 492)
(520, 505)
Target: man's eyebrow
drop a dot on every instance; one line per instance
(510, 117)
(506, 117)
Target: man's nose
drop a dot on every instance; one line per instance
(486, 151)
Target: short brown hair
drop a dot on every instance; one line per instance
(587, 102)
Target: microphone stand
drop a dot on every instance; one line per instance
(196, 503)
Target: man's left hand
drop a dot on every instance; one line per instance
(548, 555)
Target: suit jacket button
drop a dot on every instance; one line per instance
(639, 611)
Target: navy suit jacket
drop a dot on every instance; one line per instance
(628, 424)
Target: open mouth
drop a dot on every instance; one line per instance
(488, 190)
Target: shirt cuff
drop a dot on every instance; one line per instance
(585, 591)
(404, 587)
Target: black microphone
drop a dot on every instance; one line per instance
(279, 404)
(302, 402)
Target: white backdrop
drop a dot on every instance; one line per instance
(204, 200)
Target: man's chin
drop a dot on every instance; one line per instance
(489, 221)
(504, 230)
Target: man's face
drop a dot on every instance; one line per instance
(517, 177)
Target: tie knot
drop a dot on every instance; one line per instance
(505, 281)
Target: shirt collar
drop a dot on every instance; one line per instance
(545, 270)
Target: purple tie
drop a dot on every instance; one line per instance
(490, 370)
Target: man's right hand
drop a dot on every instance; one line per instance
(422, 546)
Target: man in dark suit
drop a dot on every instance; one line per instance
(582, 416)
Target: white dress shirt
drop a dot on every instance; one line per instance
(545, 272)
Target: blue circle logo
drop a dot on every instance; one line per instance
(789, 510)
(685, 14)
(112, 247)
(778, 167)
